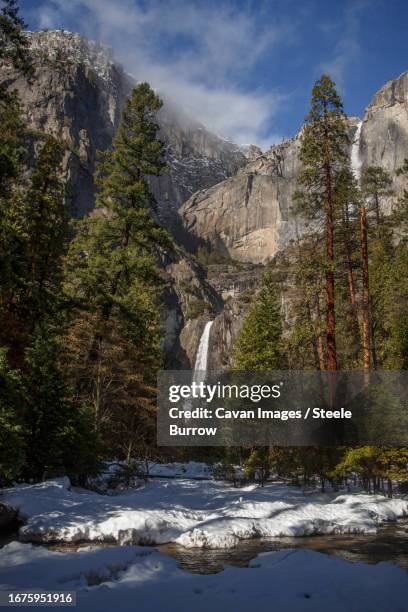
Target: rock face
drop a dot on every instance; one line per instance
(190, 301)
(197, 160)
(248, 215)
(77, 93)
(384, 133)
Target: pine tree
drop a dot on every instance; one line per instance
(376, 187)
(12, 396)
(304, 345)
(347, 199)
(113, 278)
(57, 434)
(259, 343)
(33, 239)
(393, 290)
(322, 156)
(13, 44)
(375, 244)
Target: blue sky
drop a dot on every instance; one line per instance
(244, 68)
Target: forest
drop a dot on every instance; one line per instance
(81, 307)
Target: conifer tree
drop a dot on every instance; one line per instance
(33, 238)
(12, 396)
(57, 432)
(112, 276)
(322, 156)
(376, 187)
(13, 44)
(259, 343)
(347, 199)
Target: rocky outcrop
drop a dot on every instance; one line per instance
(384, 133)
(224, 332)
(77, 93)
(197, 160)
(190, 301)
(248, 216)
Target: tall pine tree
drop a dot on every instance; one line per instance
(322, 156)
(112, 276)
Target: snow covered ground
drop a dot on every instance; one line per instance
(135, 578)
(193, 513)
(198, 513)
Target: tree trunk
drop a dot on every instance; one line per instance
(350, 274)
(366, 293)
(330, 314)
(320, 344)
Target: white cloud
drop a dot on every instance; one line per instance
(216, 45)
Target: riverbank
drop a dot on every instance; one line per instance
(194, 514)
(136, 578)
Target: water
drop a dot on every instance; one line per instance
(390, 543)
(200, 367)
(355, 157)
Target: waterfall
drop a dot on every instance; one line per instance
(200, 367)
(355, 153)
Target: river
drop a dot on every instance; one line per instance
(390, 543)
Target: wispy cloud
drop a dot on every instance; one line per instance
(198, 54)
(347, 48)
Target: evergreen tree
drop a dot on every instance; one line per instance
(322, 156)
(58, 436)
(12, 451)
(376, 187)
(259, 343)
(347, 200)
(13, 44)
(33, 239)
(394, 314)
(113, 278)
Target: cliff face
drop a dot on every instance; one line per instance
(77, 93)
(248, 216)
(384, 133)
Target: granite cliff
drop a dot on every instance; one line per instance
(248, 216)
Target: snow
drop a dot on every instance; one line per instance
(135, 578)
(193, 513)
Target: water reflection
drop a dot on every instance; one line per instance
(389, 544)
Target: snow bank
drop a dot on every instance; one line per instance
(204, 514)
(133, 578)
